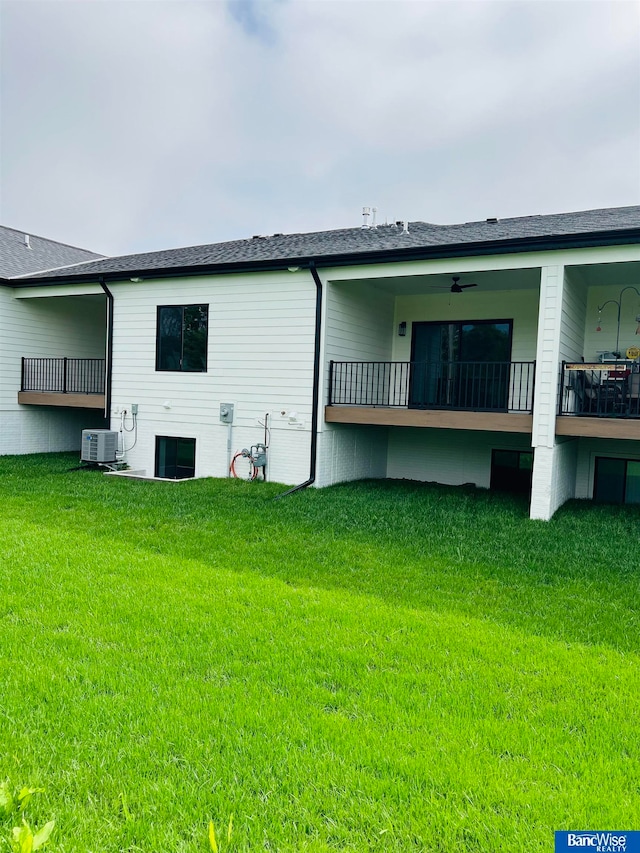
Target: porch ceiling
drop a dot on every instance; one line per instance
(411, 285)
(87, 293)
(614, 274)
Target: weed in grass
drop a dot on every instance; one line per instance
(25, 840)
(13, 804)
(213, 844)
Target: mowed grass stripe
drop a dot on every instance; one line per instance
(415, 544)
(324, 719)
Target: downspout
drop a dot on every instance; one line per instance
(315, 408)
(107, 395)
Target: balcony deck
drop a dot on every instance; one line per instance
(493, 396)
(57, 398)
(68, 382)
(438, 419)
(600, 400)
(589, 427)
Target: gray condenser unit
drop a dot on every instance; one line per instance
(99, 445)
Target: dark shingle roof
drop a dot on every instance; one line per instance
(16, 258)
(364, 244)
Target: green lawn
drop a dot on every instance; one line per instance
(373, 667)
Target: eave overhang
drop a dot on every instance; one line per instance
(620, 237)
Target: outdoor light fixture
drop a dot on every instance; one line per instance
(618, 303)
(402, 329)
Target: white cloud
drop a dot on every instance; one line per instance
(133, 125)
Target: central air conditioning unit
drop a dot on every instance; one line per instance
(99, 445)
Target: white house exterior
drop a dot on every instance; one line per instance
(354, 350)
(48, 327)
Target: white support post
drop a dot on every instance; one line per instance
(544, 491)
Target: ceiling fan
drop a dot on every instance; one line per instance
(458, 288)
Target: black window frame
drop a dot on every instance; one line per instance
(162, 354)
(460, 323)
(448, 384)
(175, 438)
(598, 486)
(520, 481)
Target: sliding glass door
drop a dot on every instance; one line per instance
(461, 365)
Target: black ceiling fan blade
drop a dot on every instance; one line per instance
(458, 288)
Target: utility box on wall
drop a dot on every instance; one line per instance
(99, 445)
(226, 413)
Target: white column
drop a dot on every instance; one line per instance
(545, 473)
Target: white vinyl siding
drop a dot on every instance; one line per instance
(573, 318)
(46, 328)
(358, 323)
(521, 306)
(548, 357)
(362, 325)
(260, 358)
(358, 326)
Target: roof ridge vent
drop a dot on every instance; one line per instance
(492, 219)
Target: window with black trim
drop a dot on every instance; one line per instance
(511, 471)
(175, 457)
(181, 338)
(616, 481)
(464, 364)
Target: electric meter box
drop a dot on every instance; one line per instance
(99, 445)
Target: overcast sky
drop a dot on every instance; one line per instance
(131, 125)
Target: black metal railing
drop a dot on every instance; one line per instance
(491, 386)
(600, 390)
(63, 375)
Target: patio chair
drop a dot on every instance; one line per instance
(600, 398)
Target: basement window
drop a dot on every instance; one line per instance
(511, 471)
(175, 457)
(181, 338)
(617, 481)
